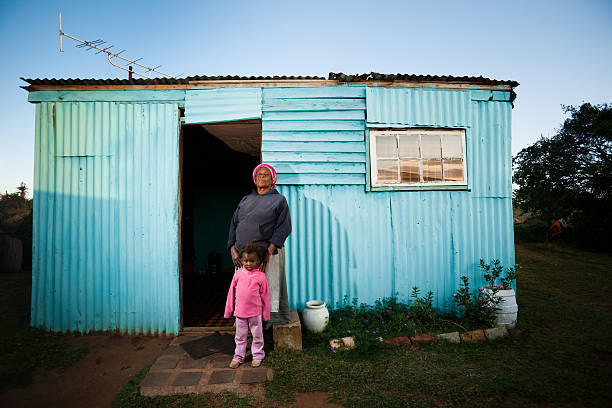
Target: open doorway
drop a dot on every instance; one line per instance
(217, 162)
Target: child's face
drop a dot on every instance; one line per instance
(250, 261)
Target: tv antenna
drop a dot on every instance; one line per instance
(100, 45)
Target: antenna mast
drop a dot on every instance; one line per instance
(97, 44)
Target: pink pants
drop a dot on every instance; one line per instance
(242, 330)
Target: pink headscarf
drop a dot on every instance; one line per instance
(272, 172)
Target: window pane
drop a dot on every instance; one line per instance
(387, 171)
(430, 146)
(409, 146)
(386, 146)
(451, 146)
(409, 171)
(453, 170)
(432, 170)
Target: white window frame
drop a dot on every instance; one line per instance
(374, 133)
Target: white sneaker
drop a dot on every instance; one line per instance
(234, 364)
(256, 363)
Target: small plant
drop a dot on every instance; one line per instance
(476, 309)
(494, 271)
(421, 308)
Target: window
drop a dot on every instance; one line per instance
(418, 157)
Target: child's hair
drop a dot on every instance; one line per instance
(252, 249)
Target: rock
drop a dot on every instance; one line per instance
(345, 343)
(496, 333)
(450, 337)
(472, 336)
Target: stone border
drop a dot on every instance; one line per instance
(474, 336)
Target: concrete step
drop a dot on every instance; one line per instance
(289, 335)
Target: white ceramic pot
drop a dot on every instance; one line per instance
(315, 316)
(507, 309)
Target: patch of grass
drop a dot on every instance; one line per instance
(561, 357)
(129, 397)
(385, 318)
(22, 348)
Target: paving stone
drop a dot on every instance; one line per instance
(222, 377)
(189, 363)
(166, 362)
(174, 350)
(187, 378)
(254, 376)
(183, 339)
(155, 379)
(496, 333)
(450, 337)
(472, 336)
(222, 362)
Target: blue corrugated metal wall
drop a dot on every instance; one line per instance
(369, 245)
(221, 105)
(105, 216)
(315, 135)
(105, 240)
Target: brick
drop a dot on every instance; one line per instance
(166, 362)
(496, 333)
(221, 362)
(172, 350)
(222, 377)
(422, 338)
(399, 340)
(472, 336)
(190, 364)
(155, 379)
(187, 378)
(254, 376)
(450, 337)
(289, 335)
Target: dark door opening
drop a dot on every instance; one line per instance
(217, 163)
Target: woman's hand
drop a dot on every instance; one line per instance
(267, 256)
(235, 257)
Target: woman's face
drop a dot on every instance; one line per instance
(263, 178)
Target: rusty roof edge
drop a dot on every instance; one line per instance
(375, 76)
(333, 76)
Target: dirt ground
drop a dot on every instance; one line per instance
(95, 380)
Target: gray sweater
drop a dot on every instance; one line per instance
(261, 220)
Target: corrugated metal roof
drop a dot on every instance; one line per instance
(162, 81)
(375, 76)
(339, 76)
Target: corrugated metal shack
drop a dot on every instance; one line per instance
(393, 181)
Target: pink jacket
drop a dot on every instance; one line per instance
(250, 295)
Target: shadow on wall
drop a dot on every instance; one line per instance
(318, 256)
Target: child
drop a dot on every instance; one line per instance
(249, 293)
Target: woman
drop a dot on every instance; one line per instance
(262, 218)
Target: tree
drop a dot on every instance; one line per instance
(570, 175)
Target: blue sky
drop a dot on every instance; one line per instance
(559, 51)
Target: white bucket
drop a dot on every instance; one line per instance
(315, 316)
(507, 308)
